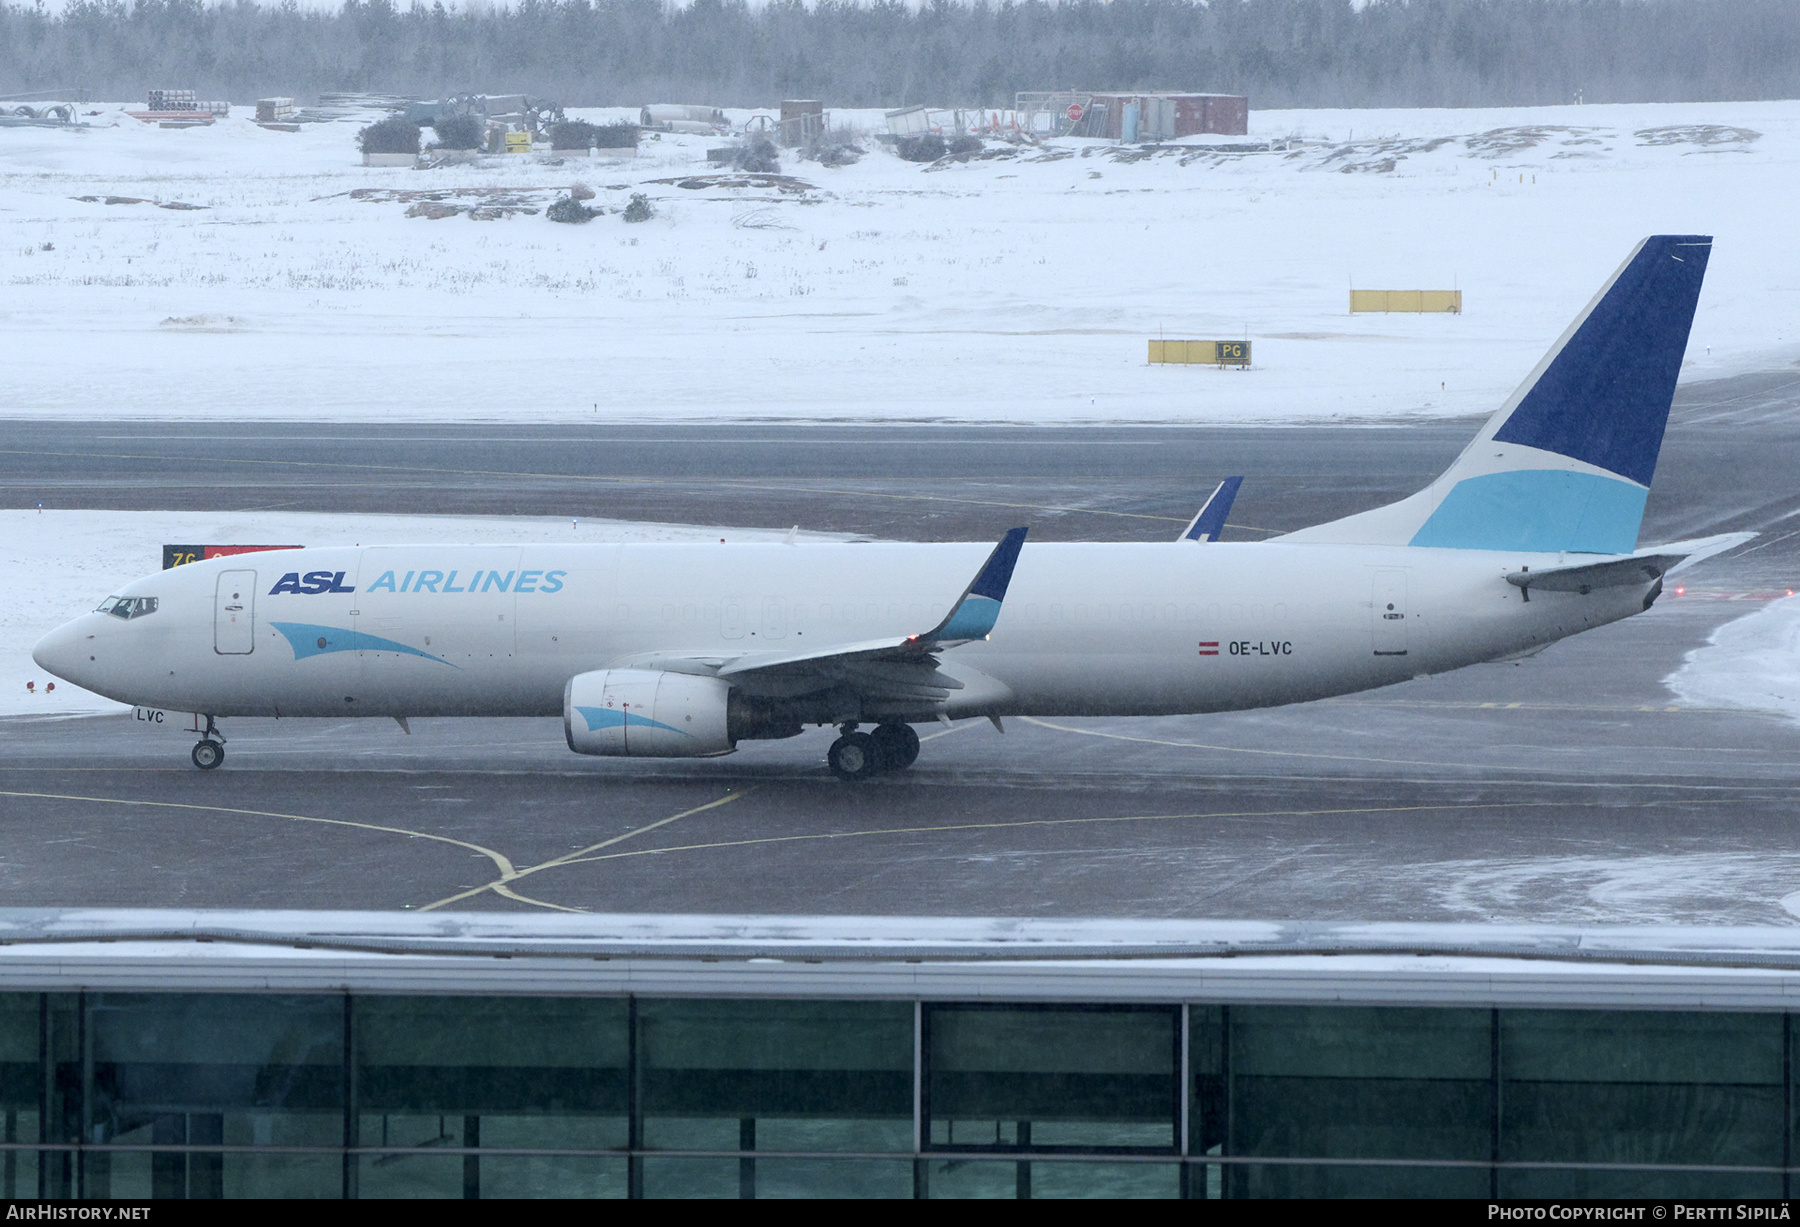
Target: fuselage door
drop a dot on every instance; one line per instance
(775, 618)
(234, 613)
(732, 617)
(1390, 613)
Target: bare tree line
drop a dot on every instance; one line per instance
(1283, 53)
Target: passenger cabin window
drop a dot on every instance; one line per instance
(128, 606)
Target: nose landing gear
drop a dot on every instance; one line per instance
(210, 751)
(858, 756)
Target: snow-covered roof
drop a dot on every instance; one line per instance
(944, 958)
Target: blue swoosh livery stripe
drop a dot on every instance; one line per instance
(608, 718)
(309, 640)
(1538, 511)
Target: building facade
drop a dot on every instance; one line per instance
(477, 1057)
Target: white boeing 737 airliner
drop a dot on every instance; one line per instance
(686, 650)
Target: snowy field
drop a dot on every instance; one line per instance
(1751, 662)
(117, 547)
(1018, 288)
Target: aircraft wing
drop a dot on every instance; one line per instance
(904, 669)
(971, 617)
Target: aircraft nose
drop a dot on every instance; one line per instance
(60, 652)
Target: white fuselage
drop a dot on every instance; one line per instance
(1086, 629)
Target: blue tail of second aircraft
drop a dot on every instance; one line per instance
(1209, 521)
(1566, 463)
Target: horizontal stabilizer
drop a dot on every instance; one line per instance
(1700, 548)
(1642, 567)
(1209, 521)
(1616, 573)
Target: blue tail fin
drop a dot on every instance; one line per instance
(1566, 463)
(1602, 394)
(1209, 521)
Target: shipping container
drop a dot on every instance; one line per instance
(1165, 115)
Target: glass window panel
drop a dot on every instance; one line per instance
(59, 1171)
(21, 1081)
(1306, 1180)
(700, 1133)
(788, 1133)
(559, 1176)
(427, 1175)
(1111, 1180)
(188, 1069)
(143, 1174)
(19, 1168)
(971, 1179)
(1648, 1086)
(1350, 1082)
(416, 1171)
(710, 1070)
(1088, 1077)
(269, 1058)
(685, 1178)
(283, 1176)
(422, 1175)
(547, 1069)
(1039, 1178)
(1206, 1075)
(1206, 1181)
(861, 1178)
(552, 1132)
(1566, 1183)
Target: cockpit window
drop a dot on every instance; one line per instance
(128, 606)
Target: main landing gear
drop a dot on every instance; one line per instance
(857, 756)
(210, 751)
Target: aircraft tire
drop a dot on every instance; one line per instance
(208, 754)
(854, 756)
(897, 744)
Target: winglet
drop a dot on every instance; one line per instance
(979, 607)
(1209, 521)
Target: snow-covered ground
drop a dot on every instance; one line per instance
(65, 562)
(1751, 662)
(1020, 288)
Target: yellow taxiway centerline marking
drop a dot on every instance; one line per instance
(1052, 822)
(509, 875)
(1346, 758)
(501, 863)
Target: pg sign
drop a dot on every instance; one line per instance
(1200, 353)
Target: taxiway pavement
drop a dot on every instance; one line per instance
(1567, 787)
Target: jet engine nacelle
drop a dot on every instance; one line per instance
(645, 713)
